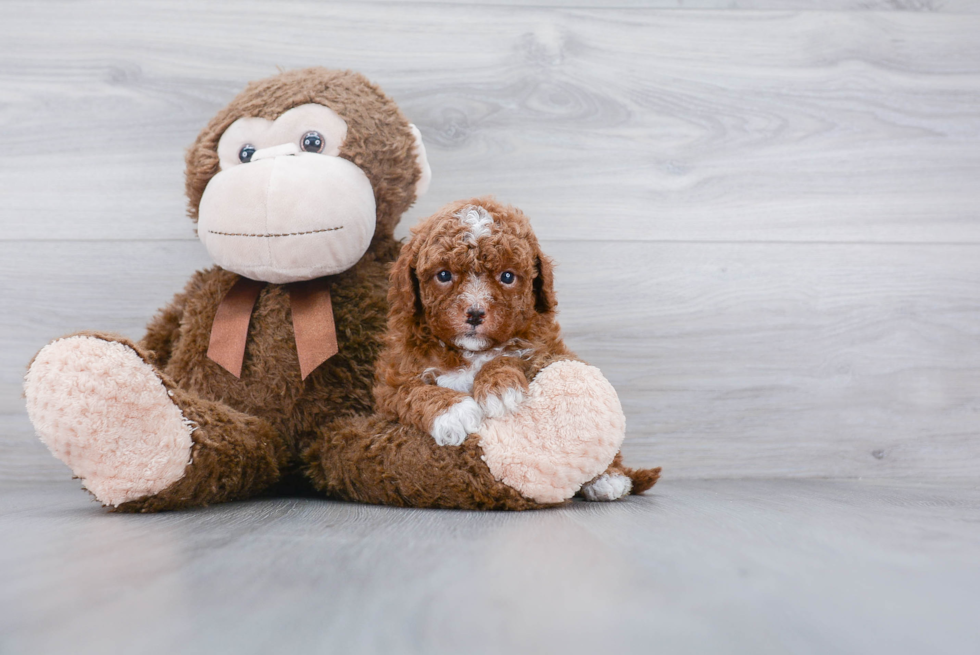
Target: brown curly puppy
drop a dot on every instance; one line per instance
(472, 321)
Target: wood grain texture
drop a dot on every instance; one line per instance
(634, 124)
(935, 6)
(698, 567)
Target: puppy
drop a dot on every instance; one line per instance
(472, 321)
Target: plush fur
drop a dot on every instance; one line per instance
(250, 432)
(128, 400)
(379, 139)
(566, 432)
(373, 460)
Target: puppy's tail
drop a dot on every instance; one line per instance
(642, 479)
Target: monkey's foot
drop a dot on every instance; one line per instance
(567, 432)
(103, 411)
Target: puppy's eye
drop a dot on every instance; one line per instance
(312, 142)
(507, 277)
(245, 154)
(444, 276)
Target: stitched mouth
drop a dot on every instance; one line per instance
(266, 236)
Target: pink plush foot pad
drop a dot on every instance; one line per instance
(566, 433)
(103, 411)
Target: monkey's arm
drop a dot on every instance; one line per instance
(162, 331)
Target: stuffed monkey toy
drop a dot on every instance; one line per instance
(258, 375)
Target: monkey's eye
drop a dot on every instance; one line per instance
(245, 154)
(444, 276)
(507, 277)
(312, 142)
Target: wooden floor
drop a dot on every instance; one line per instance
(767, 224)
(715, 566)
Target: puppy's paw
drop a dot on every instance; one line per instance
(608, 486)
(452, 426)
(500, 389)
(507, 402)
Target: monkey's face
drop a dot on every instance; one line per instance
(284, 205)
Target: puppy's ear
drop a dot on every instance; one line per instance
(404, 297)
(544, 285)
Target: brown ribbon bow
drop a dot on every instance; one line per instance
(313, 326)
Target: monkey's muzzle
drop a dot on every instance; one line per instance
(288, 216)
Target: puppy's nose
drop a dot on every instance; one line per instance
(474, 316)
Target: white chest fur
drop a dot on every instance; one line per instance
(461, 379)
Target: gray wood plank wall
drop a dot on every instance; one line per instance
(766, 217)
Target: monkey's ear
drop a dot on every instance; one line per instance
(544, 284)
(426, 178)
